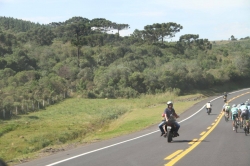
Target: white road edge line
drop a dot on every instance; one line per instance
(135, 137)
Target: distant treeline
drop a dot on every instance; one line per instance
(43, 64)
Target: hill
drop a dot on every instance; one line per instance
(43, 64)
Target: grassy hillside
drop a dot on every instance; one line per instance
(78, 121)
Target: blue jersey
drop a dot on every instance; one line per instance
(234, 110)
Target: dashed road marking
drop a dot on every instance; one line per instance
(173, 155)
(202, 133)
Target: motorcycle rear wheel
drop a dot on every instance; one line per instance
(169, 136)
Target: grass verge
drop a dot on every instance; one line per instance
(78, 121)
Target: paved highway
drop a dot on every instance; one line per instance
(206, 140)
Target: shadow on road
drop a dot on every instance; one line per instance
(184, 141)
(213, 114)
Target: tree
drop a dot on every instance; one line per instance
(101, 24)
(78, 32)
(120, 27)
(233, 38)
(42, 36)
(162, 31)
(190, 41)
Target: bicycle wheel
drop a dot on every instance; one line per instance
(245, 126)
(226, 117)
(236, 125)
(240, 124)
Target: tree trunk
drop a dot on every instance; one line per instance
(16, 110)
(3, 113)
(78, 56)
(33, 106)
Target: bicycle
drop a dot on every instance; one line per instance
(236, 122)
(226, 115)
(245, 126)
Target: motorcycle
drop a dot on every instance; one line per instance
(170, 129)
(209, 110)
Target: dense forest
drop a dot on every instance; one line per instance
(43, 64)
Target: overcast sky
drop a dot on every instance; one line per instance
(211, 19)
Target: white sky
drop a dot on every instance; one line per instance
(212, 19)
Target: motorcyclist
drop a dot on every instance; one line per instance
(209, 106)
(168, 113)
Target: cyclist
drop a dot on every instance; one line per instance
(239, 111)
(226, 109)
(225, 97)
(244, 113)
(225, 94)
(234, 112)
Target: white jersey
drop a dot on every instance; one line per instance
(209, 105)
(243, 108)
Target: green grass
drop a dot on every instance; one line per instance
(79, 121)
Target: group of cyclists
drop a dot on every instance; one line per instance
(237, 113)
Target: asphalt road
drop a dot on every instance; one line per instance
(216, 143)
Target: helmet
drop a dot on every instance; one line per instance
(169, 102)
(242, 104)
(209, 102)
(234, 105)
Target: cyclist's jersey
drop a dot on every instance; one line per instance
(243, 108)
(248, 108)
(227, 108)
(234, 110)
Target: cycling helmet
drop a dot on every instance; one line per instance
(242, 104)
(169, 102)
(234, 105)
